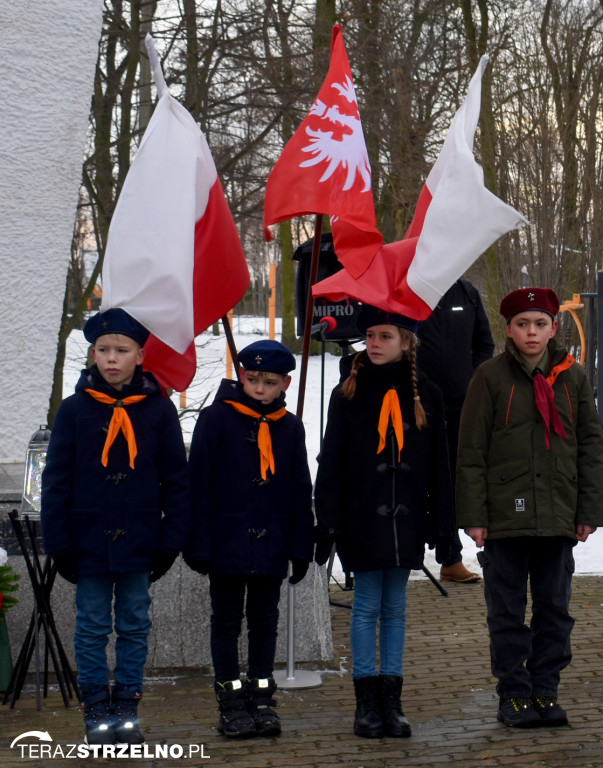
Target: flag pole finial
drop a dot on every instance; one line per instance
(160, 83)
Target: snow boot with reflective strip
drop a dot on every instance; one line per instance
(235, 720)
(260, 691)
(125, 713)
(96, 708)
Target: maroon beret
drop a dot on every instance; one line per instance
(529, 300)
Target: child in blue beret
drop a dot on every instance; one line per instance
(382, 492)
(114, 515)
(251, 513)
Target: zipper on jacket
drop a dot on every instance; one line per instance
(396, 542)
(394, 505)
(510, 401)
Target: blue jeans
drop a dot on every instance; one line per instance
(93, 625)
(379, 595)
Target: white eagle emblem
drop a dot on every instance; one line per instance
(349, 151)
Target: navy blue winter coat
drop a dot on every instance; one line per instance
(240, 523)
(115, 518)
(357, 489)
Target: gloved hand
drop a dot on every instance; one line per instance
(299, 568)
(324, 544)
(201, 566)
(442, 545)
(66, 564)
(161, 563)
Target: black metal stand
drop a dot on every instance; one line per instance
(42, 579)
(434, 581)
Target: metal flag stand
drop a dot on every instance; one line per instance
(301, 678)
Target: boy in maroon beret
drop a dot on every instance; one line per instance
(529, 488)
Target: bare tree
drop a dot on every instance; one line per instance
(248, 71)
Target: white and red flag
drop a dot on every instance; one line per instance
(456, 220)
(174, 259)
(324, 168)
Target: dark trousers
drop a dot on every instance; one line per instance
(233, 596)
(528, 660)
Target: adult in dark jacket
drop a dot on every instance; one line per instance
(251, 513)
(382, 492)
(455, 339)
(114, 509)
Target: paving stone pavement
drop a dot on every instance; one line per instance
(448, 697)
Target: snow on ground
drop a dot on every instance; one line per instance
(211, 359)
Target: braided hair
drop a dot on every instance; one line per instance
(348, 387)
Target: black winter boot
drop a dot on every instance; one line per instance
(368, 722)
(125, 713)
(96, 707)
(260, 692)
(395, 723)
(235, 720)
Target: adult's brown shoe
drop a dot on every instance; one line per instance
(459, 573)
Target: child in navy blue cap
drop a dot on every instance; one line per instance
(114, 515)
(251, 513)
(382, 492)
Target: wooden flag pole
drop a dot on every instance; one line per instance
(309, 315)
(272, 303)
(231, 344)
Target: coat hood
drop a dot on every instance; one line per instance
(143, 383)
(233, 390)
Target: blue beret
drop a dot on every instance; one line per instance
(115, 321)
(268, 356)
(370, 316)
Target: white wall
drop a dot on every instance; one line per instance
(48, 53)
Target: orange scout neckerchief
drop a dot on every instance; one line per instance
(264, 439)
(119, 421)
(391, 408)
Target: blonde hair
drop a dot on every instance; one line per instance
(349, 385)
(262, 374)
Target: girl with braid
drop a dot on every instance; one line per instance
(382, 491)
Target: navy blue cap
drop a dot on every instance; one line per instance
(267, 355)
(370, 316)
(115, 321)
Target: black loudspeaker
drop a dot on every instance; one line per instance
(344, 312)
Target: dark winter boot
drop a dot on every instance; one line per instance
(125, 713)
(235, 720)
(368, 722)
(518, 712)
(550, 712)
(260, 692)
(96, 707)
(395, 723)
